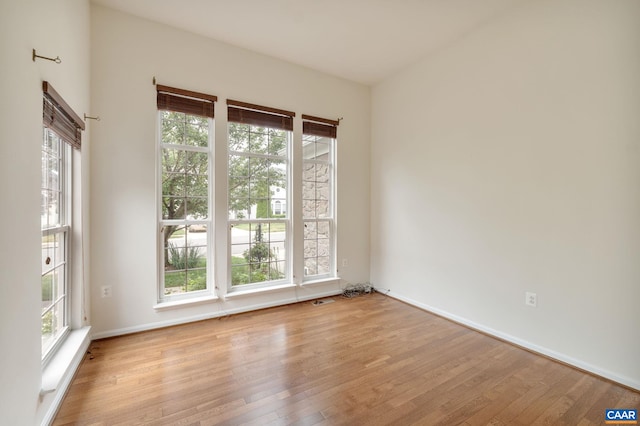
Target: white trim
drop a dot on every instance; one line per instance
(626, 381)
(163, 306)
(252, 291)
(210, 315)
(58, 374)
(318, 281)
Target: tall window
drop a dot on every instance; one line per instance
(259, 151)
(55, 237)
(185, 208)
(318, 208)
(61, 131)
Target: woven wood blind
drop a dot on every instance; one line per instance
(321, 127)
(185, 101)
(257, 115)
(59, 117)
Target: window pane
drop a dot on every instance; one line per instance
(49, 326)
(173, 184)
(197, 174)
(322, 209)
(258, 172)
(174, 282)
(322, 173)
(185, 254)
(185, 159)
(47, 290)
(238, 137)
(197, 208)
(310, 266)
(316, 191)
(309, 172)
(276, 172)
(184, 129)
(317, 248)
(323, 263)
(258, 252)
(197, 131)
(277, 142)
(174, 208)
(52, 180)
(185, 184)
(317, 203)
(55, 222)
(323, 191)
(48, 252)
(258, 140)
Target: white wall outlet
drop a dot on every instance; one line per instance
(345, 263)
(531, 299)
(105, 291)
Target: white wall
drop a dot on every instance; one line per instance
(509, 162)
(58, 28)
(126, 53)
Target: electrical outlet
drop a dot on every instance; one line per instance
(531, 299)
(345, 263)
(105, 291)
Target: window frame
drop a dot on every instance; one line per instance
(63, 228)
(182, 101)
(286, 220)
(59, 119)
(320, 129)
(186, 223)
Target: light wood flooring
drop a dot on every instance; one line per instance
(370, 360)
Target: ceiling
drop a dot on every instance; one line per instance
(359, 40)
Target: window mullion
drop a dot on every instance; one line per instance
(297, 223)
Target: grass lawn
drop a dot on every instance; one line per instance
(195, 278)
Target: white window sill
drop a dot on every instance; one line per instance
(253, 291)
(66, 359)
(332, 280)
(175, 304)
(238, 293)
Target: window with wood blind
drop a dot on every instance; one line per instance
(185, 208)
(318, 196)
(259, 195)
(62, 132)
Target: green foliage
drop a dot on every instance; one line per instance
(251, 177)
(245, 273)
(197, 280)
(263, 210)
(183, 258)
(185, 174)
(47, 288)
(258, 264)
(239, 271)
(48, 323)
(191, 280)
(258, 253)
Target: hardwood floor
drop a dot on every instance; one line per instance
(371, 360)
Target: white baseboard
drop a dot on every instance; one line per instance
(626, 381)
(210, 315)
